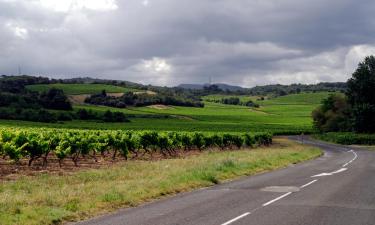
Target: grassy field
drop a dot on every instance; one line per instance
(51, 199)
(284, 115)
(78, 89)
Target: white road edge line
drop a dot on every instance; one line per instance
(355, 157)
(237, 218)
(277, 199)
(308, 184)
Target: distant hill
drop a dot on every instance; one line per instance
(273, 89)
(220, 85)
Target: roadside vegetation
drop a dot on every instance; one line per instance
(52, 199)
(348, 138)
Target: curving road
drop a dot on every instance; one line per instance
(336, 189)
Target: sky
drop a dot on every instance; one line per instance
(169, 42)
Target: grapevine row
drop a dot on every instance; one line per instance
(37, 143)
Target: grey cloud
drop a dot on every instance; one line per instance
(239, 42)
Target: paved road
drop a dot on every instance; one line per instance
(336, 189)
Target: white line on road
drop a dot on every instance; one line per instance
(355, 157)
(331, 173)
(340, 170)
(237, 218)
(308, 184)
(277, 199)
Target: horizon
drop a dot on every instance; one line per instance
(198, 84)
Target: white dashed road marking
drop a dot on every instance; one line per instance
(303, 186)
(235, 219)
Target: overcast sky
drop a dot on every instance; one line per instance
(168, 42)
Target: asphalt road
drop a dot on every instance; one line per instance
(336, 189)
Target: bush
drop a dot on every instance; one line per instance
(348, 138)
(55, 99)
(333, 114)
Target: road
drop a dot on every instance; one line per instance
(336, 189)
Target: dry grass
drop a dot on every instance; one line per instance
(52, 199)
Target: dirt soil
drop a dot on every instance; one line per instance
(12, 171)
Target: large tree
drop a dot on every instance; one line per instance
(361, 95)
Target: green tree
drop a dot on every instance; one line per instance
(55, 99)
(333, 114)
(361, 95)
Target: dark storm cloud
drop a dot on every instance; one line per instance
(166, 42)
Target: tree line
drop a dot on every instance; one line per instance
(355, 109)
(19, 103)
(137, 100)
(234, 101)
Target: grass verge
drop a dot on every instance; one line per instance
(52, 199)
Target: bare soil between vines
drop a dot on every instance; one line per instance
(12, 171)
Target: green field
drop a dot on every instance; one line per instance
(284, 115)
(78, 89)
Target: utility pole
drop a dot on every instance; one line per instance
(19, 70)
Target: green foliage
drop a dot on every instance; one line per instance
(35, 143)
(138, 100)
(333, 115)
(361, 95)
(348, 138)
(55, 99)
(356, 111)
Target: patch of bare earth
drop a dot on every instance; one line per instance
(145, 92)
(160, 107)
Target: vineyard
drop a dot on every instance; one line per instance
(33, 144)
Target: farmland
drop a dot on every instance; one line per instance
(283, 115)
(104, 166)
